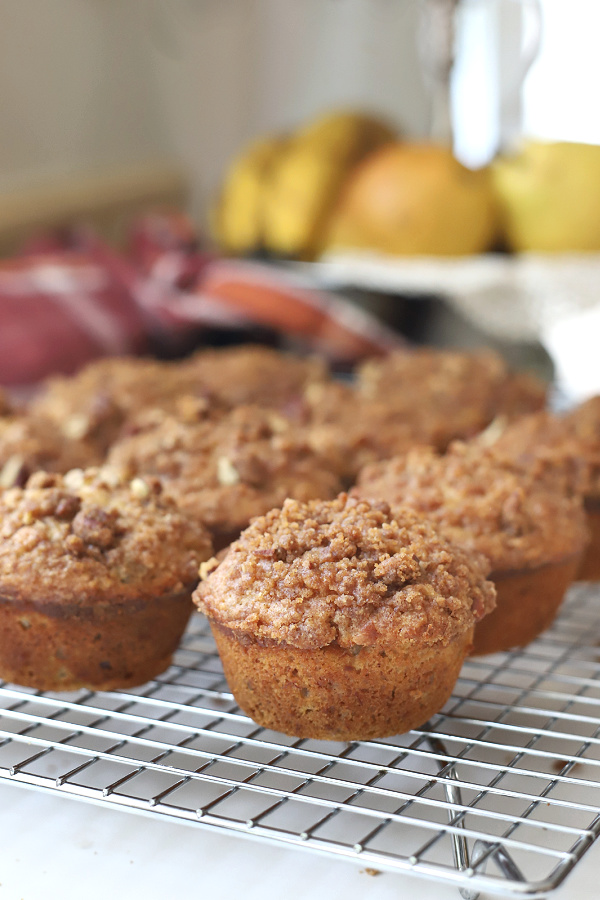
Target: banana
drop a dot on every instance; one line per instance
(345, 134)
(306, 179)
(237, 219)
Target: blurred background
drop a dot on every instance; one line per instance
(111, 109)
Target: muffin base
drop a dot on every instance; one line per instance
(589, 569)
(526, 604)
(337, 694)
(54, 646)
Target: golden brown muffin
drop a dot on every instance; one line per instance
(95, 402)
(29, 443)
(532, 532)
(105, 399)
(95, 580)
(251, 374)
(570, 446)
(225, 472)
(583, 423)
(351, 430)
(338, 619)
(448, 394)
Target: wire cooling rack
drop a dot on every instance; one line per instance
(499, 792)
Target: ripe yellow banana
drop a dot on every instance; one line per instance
(237, 219)
(307, 176)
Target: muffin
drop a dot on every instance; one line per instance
(571, 443)
(29, 443)
(101, 401)
(340, 620)
(530, 529)
(352, 430)
(105, 399)
(95, 402)
(583, 423)
(225, 472)
(449, 394)
(95, 580)
(256, 375)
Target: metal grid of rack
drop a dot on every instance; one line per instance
(499, 792)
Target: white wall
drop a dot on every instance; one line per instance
(77, 89)
(89, 83)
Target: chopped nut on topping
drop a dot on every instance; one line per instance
(314, 392)
(75, 545)
(76, 427)
(111, 476)
(43, 480)
(140, 488)
(227, 474)
(207, 567)
(490, 435)
(278, 424)
(191, 408)
(169, 441)
(95, 526)
(13, 472)
(74, 479)
(67, 507)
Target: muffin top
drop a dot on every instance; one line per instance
(86, 537)
(449, 394)
(583, 423)
(584, 420)
(517, 517)
(98, 401)
(224, 472)
(566, 446)
(345, 572)
(253, 374)
(101, 400)
(351, 430)
(29, 443)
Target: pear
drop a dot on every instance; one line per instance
(549, 197)
(415, 199)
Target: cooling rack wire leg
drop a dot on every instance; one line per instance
(459, 843)
(453, 795)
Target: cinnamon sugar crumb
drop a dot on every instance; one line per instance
(483, 502)
(345, 571)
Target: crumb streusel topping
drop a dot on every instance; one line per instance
(449, 394)
(515, 516)
(226, 471)
(29, 443)
(88, 534)
(254, 374)
(345, 571)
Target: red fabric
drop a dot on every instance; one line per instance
(59, 311)
(69, 298)
(279, 299)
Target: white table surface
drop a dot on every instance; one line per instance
(56, 847)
